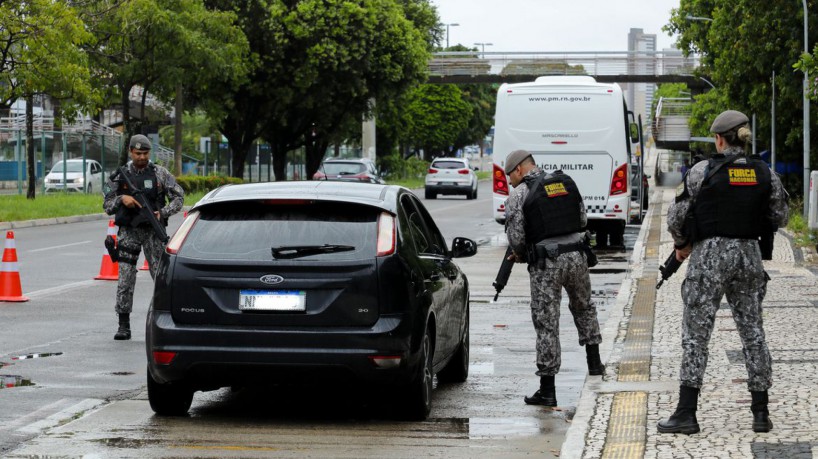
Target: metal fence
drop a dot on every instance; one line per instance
(51, 147)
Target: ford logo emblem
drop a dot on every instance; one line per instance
(271, 279)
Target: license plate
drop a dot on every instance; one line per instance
(273, 300)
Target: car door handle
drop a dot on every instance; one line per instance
(434, 277)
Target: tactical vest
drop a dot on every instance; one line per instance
(552, 207)
(148, 183)
(733, 202)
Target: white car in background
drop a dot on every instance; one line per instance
(73, 178)
(451, 176)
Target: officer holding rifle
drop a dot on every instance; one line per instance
(545, 225)
(142, 196)
(724, 209)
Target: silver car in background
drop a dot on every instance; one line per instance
(72, 178)
(451, 176)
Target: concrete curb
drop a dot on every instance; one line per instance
(53, 221)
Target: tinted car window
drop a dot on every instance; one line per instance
(448, 165)
(248, 231)
(343, 168)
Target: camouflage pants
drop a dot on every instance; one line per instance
(129, 243)
(719, 267)
(569, 271)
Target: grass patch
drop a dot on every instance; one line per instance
(802, 235)
(17, 207)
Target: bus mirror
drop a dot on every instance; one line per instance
(634, 133)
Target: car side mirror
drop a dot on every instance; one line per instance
(463, 247)
(476, 168)
(634, 128)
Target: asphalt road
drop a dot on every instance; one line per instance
(80, 393)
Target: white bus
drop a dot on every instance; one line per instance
(579, 126)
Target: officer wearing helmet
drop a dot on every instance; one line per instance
(545, 225)
(722, 208)
(135, 234)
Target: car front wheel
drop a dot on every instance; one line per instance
(171, 399)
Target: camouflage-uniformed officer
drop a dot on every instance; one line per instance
(135, 233)
(545, 221)
(723, 208)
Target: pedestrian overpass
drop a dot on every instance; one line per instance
(604, 66)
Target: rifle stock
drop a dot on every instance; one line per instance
(503, 274)
(146, 211)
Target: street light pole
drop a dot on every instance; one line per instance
(453, 24)
(806, 117)
(483, 45)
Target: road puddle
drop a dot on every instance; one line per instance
(481, 368)
(36, 356)
(9, 381)
(503, 427)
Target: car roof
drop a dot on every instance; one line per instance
(381, 196)
(348, 160)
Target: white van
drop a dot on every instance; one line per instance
(573, 124)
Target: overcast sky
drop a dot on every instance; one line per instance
(554, 25)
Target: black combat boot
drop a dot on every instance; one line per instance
(546, 396)
(595, 366)
(761, 415)
(124, 331)
(684, 419)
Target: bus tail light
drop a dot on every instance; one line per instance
(499, 180)
(619, 183)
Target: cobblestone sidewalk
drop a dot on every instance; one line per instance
(617, 418)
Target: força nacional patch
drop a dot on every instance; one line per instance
(555, 189)
(742, 176)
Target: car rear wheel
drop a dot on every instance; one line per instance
(171, 399)
(430, 194)
(418, 402)
(457, 370)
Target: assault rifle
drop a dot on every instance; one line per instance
(669, 268)
(146, 212)
(502, 276)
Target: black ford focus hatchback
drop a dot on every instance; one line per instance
(288, 282)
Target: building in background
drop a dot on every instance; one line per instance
(643, 62)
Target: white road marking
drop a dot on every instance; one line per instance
(59, 246)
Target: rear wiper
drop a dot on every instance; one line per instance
(297, 251)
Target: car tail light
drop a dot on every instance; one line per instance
(463, 171)
(432, 171)
(386, 234)
(385, 361)
(163, 357)
(619, 183)
(500, 182)
(179, 237)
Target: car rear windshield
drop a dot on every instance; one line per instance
(250, 230)
(448, 165)
(343, 168)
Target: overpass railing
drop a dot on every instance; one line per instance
(594, 63)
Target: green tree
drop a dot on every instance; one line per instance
(434, 118)
(744, 44)
(321, 64)
(40, 54)
(159, 45)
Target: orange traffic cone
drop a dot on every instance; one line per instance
(145, 266)
(10, 289)
(109, 270)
